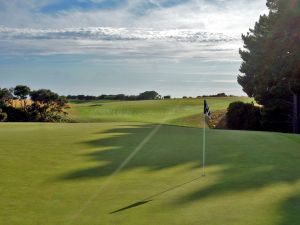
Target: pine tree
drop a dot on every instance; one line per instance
(271, 65)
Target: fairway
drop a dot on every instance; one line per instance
(183, 112)
(75, 174)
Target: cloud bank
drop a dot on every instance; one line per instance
(107, 28)
(125, 44)
(218, 16)
(119, 34)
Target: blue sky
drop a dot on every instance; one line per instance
(177, 47)
(59, 6)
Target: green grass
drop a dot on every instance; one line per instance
(184, 112)
(54, 174)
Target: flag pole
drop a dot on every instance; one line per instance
(203, 149)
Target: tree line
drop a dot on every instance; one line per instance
(147, 95)
(271, 67)
(21, 104)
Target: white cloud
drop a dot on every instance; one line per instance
(110, 33)
(231, 16)
(204, 29)
(120, 44)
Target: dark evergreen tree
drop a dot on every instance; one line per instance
(271, 65)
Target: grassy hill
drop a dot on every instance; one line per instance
(140, 174)
(186, 112)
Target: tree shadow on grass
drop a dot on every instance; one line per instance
(290, 210)
(164, 150)
(95, 105)
(250, 160)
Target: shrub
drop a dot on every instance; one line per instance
(243, 116)
(15, 114)
(149, 95)
(3, 116)
(47, 106)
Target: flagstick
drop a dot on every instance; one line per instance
(204, 145)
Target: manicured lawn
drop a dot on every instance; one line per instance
(186, 112)
(75, 174)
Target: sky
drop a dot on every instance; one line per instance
(176, 47)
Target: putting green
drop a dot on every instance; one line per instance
(66, 174)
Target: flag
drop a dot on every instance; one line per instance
(206, 110)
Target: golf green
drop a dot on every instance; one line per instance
(142, 174)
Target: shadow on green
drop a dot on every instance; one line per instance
(250, 160)
(152, 197)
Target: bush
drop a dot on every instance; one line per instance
(3, 116)
(277, 118)
(148, 95)
(15, 114)
(243, 116)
